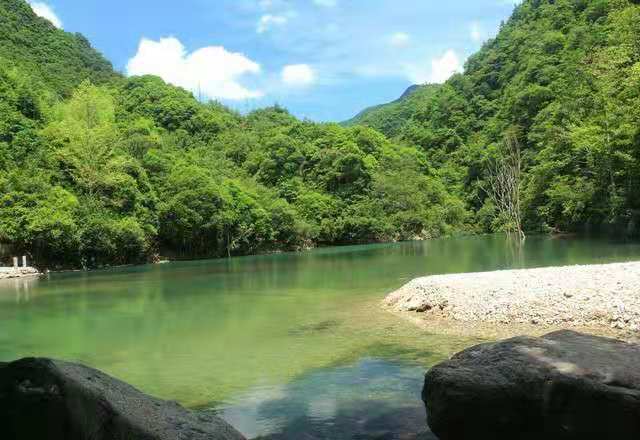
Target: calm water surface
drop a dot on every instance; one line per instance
(288, 346)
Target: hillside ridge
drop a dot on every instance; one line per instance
(565, 76)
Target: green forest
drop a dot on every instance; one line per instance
(564, 76)
(99, 169)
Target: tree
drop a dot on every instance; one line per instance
(504, 182)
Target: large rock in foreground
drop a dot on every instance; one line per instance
(54, 400)
(565, 385)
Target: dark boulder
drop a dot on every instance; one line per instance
(54, 400)
(564, 385)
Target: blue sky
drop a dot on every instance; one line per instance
(323, 59)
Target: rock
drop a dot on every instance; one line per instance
(565, 385)
(20, 272)
(423, 308)
(54, 400)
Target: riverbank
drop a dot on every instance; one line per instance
(7, 273)
(602, 298)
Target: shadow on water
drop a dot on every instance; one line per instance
(323, 326)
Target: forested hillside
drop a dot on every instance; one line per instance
(59, 59)
(96, 169)
(99, 169)
(564, 76)
(391, 118)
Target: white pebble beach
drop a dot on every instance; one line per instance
(591, 296)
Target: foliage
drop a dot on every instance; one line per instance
(56, 58)
(391, 118)
(567, 72)
(98, 170)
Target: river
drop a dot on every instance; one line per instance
(284, 346)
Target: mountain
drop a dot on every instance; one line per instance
(565, 76)
(390, 118)
(61, 59)
(97, 169)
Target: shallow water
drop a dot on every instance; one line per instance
(288, 346)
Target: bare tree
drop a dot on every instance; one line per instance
(503, 185)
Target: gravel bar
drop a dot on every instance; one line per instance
(584, 296)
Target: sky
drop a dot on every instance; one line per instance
(324, 60)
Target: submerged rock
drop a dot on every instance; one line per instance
(54, 400)
(564, 385)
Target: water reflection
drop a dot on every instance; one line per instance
(211, 330)
(18, 290)
(371, 399)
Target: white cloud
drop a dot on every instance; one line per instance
(45, 11)
(298, 75)
(476, 32)
(267, 21)
(440, 69)
(326, 3)
(399, 39)
(211, 71)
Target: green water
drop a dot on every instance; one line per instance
(276, 344)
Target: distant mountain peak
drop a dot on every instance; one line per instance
(389, 118)
(410, 91)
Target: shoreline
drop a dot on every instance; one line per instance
(600, 298)
(168, 258)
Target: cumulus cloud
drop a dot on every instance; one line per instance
(211, 71)
(441, 68)
(45, 11)
(326, 3)
(400, 39)
(268, 21)
(298, 75)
